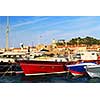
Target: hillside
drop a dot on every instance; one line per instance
(87, 41)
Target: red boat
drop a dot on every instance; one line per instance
(31, 67)
(35, 67)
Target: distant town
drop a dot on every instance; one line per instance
(61, 47)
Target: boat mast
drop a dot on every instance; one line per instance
(7, 31)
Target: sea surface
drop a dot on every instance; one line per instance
(21, 78)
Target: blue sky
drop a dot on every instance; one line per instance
(32, 30)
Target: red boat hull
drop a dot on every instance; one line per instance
(30, 67)
(76, 73)
(42, 67)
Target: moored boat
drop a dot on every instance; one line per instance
(11, 56)
(87, 68)
(31, 67)
(77, 69)
(8, 66)
(86, 55)
(42, 67)
(93, 70)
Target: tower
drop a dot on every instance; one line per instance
(7, 31)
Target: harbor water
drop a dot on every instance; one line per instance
(21, 78)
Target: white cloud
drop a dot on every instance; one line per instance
(70, 24)
(72, 21)
(29, 22)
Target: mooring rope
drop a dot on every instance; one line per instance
(6, 71)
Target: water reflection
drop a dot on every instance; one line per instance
(47, 79)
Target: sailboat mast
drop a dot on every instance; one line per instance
(7, 32)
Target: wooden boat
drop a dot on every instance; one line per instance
(32, 67)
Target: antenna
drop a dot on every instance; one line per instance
(7, 31)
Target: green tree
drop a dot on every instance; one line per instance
(87, 41)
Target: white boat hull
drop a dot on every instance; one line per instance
(94, 72)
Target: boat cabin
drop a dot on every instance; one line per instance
(87, 55)
(11, 56)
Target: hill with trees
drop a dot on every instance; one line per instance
(87, 41)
